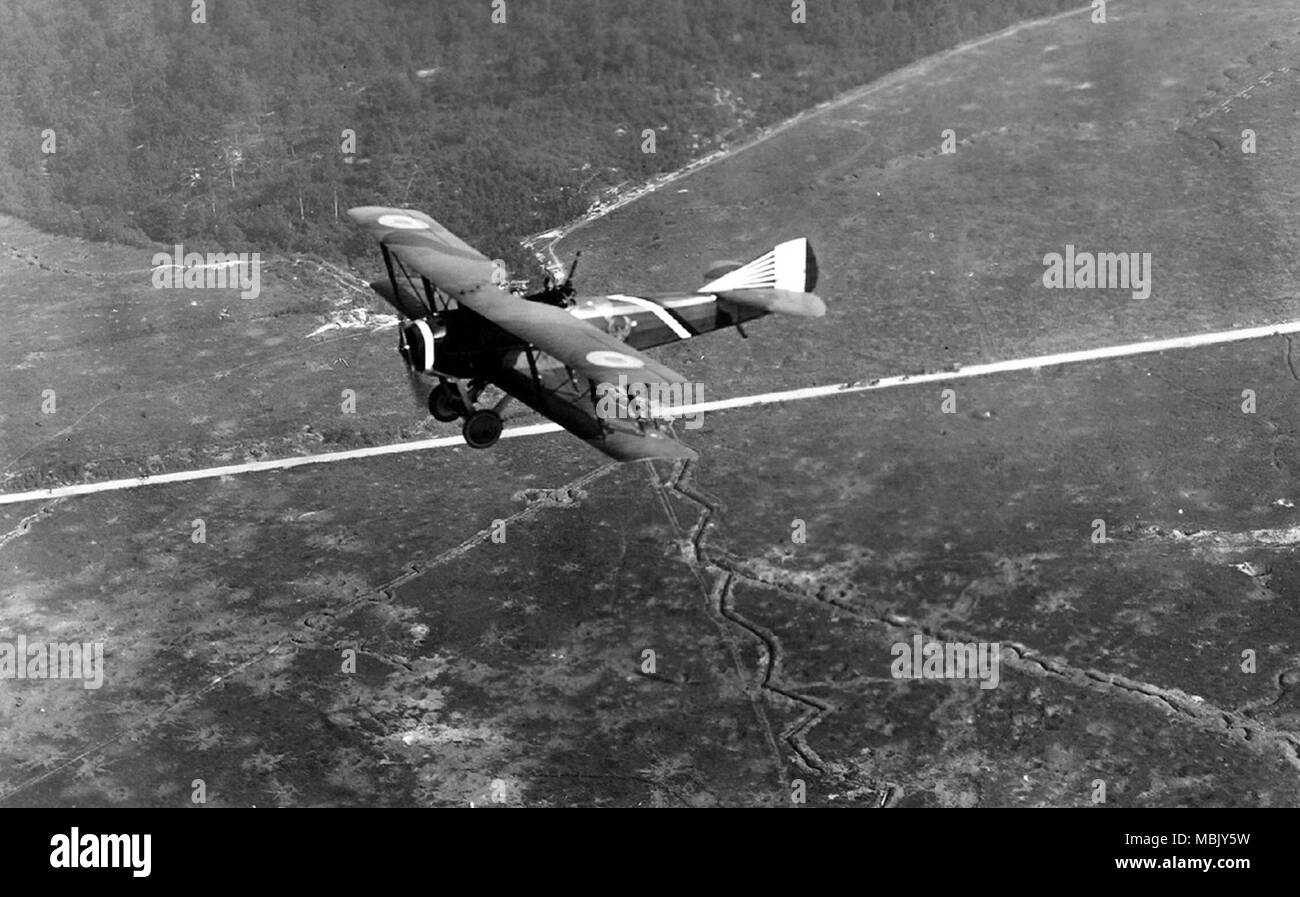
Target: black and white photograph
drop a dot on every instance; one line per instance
(787, 404)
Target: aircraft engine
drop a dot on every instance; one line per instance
(418, 341)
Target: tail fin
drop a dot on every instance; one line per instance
(781, 280)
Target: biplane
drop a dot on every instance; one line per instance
(557, 353)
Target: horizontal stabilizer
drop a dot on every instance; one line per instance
(786, 302)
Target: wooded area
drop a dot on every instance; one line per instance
(230, 133)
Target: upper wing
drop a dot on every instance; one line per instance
(455, 267)
(589, 351)
(423, 244)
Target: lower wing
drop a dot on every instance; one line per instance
(589, 410)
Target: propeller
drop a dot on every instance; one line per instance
(415, 380)
(412, 306)
(420, 388)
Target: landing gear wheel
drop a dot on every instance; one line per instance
(482, 429)
(444, 404)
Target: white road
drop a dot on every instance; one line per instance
(769, 398)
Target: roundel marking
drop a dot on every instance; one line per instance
(608, 359)
(402, 222)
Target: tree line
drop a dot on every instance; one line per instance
(237, 125)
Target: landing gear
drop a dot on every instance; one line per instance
(453, 398)
(482, 428)
(445, 403)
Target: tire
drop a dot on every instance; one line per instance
(444, 404)
(482, 429)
